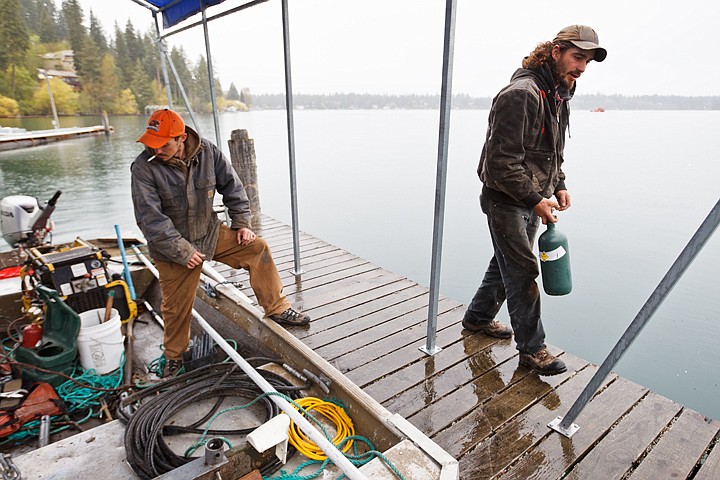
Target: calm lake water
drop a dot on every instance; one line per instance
(641, 184)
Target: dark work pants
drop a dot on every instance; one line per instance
(511, 274)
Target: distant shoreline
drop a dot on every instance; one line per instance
(463, 101)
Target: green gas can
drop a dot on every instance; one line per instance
(555, 261)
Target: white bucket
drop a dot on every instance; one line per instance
(100, 345)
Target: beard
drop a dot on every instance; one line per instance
(561, 76)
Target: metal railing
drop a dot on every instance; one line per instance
(565, 425)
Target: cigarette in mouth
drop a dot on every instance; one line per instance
(151, 158)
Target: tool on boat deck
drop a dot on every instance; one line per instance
(58, 348)
(109, 306)
(42, 400)
(44, 436)
(79, 273)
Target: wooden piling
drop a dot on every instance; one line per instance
(242, 157)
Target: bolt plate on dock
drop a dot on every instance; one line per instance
(568, 432)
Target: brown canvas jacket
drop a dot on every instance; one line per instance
(174, 203)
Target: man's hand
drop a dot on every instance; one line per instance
(245, 236)
(563, 198)
(544, 209)
(196, 259)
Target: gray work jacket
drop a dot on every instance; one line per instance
(521, 161)
(174, 205)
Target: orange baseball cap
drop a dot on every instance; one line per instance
(162, 126)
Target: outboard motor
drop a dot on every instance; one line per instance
(23, 221)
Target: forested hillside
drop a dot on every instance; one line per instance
(118, 73)
(90, 71)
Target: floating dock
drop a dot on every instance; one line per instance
(472, 398)
(12, 141)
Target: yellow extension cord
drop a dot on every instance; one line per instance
(343, 426)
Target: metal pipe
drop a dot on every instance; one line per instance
(686, 257)
(163, 67)
(289, 107)
(56, 120)
(216, 16)
(211, 77)
(182, 90)
(44, 435)
(430, 347)
(128, 277)
(312, 433)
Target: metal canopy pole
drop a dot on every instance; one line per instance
(56, 120)
(211, 78)
(163, 67)
(564, 424)
(164, 52)
(430, 347)
(291, 139)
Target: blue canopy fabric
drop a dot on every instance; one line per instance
(175, 11)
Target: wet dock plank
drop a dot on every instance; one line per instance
(472, 398)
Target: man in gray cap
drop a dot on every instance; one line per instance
(523, 183)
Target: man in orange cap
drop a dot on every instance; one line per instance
(521, 171)
(174, 182)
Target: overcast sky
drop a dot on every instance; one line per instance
(395, 46)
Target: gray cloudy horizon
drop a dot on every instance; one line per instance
(395, 47)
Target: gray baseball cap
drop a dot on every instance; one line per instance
(584, 38)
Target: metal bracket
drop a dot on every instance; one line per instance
(557, 426)
(432, 352)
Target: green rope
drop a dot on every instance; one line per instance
(77, 398)
(357, 460)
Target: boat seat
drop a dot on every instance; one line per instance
(58, 349)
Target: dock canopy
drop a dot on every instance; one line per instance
(175, 11)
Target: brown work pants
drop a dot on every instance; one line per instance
(179, 284)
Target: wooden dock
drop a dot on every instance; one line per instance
(472, 398)
(12, 141)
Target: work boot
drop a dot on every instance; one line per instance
(291, 317)
(492, 328)
(172, 368)
(543, 362)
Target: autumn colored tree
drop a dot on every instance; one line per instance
(66, 100)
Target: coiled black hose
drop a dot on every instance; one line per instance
(146, 412)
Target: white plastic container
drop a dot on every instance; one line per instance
(100, 345)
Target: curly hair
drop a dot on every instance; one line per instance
(543, 54)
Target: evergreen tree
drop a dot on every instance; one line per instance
(134, 45)
(92, 56)
(73, 17)
(246, 97)
(232, 93)
(30, 14)
(97, 35)
(13, 37)
(181, 63)
(48, 28)
(151, 60)
(141, 86)
(123, 58)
